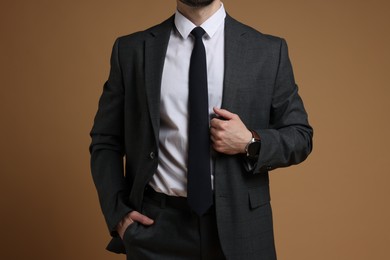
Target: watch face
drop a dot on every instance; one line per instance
(254, 149)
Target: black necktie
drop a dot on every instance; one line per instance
(199, 192)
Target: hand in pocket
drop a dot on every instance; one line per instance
(129, 219)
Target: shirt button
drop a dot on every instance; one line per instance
(152, 155)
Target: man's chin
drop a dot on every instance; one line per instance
(197, 3)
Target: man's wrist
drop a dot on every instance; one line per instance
(246, 140)
(123, 224)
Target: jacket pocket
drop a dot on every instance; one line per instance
(258, 197)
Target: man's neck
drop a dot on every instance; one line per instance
(198, 15)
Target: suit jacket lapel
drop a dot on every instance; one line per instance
(155, 50)
(234, 59)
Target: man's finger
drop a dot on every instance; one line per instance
(216, 123)
(144, 220)
(223, 113)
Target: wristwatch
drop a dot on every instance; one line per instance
(252, 149)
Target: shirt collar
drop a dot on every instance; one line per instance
(211, 25)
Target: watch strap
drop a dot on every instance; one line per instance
(255, 135)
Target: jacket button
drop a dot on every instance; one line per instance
(152, 155)
(269, 168)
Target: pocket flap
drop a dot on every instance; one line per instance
(258, 197)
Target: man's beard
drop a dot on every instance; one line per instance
(197, 3)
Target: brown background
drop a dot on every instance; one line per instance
(54, 59)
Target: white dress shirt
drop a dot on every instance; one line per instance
(171, 175)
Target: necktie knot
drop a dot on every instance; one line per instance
(198, 32)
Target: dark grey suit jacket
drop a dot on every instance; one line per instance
(259, 86)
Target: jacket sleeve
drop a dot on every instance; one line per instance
(107, 147)
(288, 139)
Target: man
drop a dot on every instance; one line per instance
(195, 189)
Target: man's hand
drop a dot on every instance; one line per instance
(129, 219)
(228, 133)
